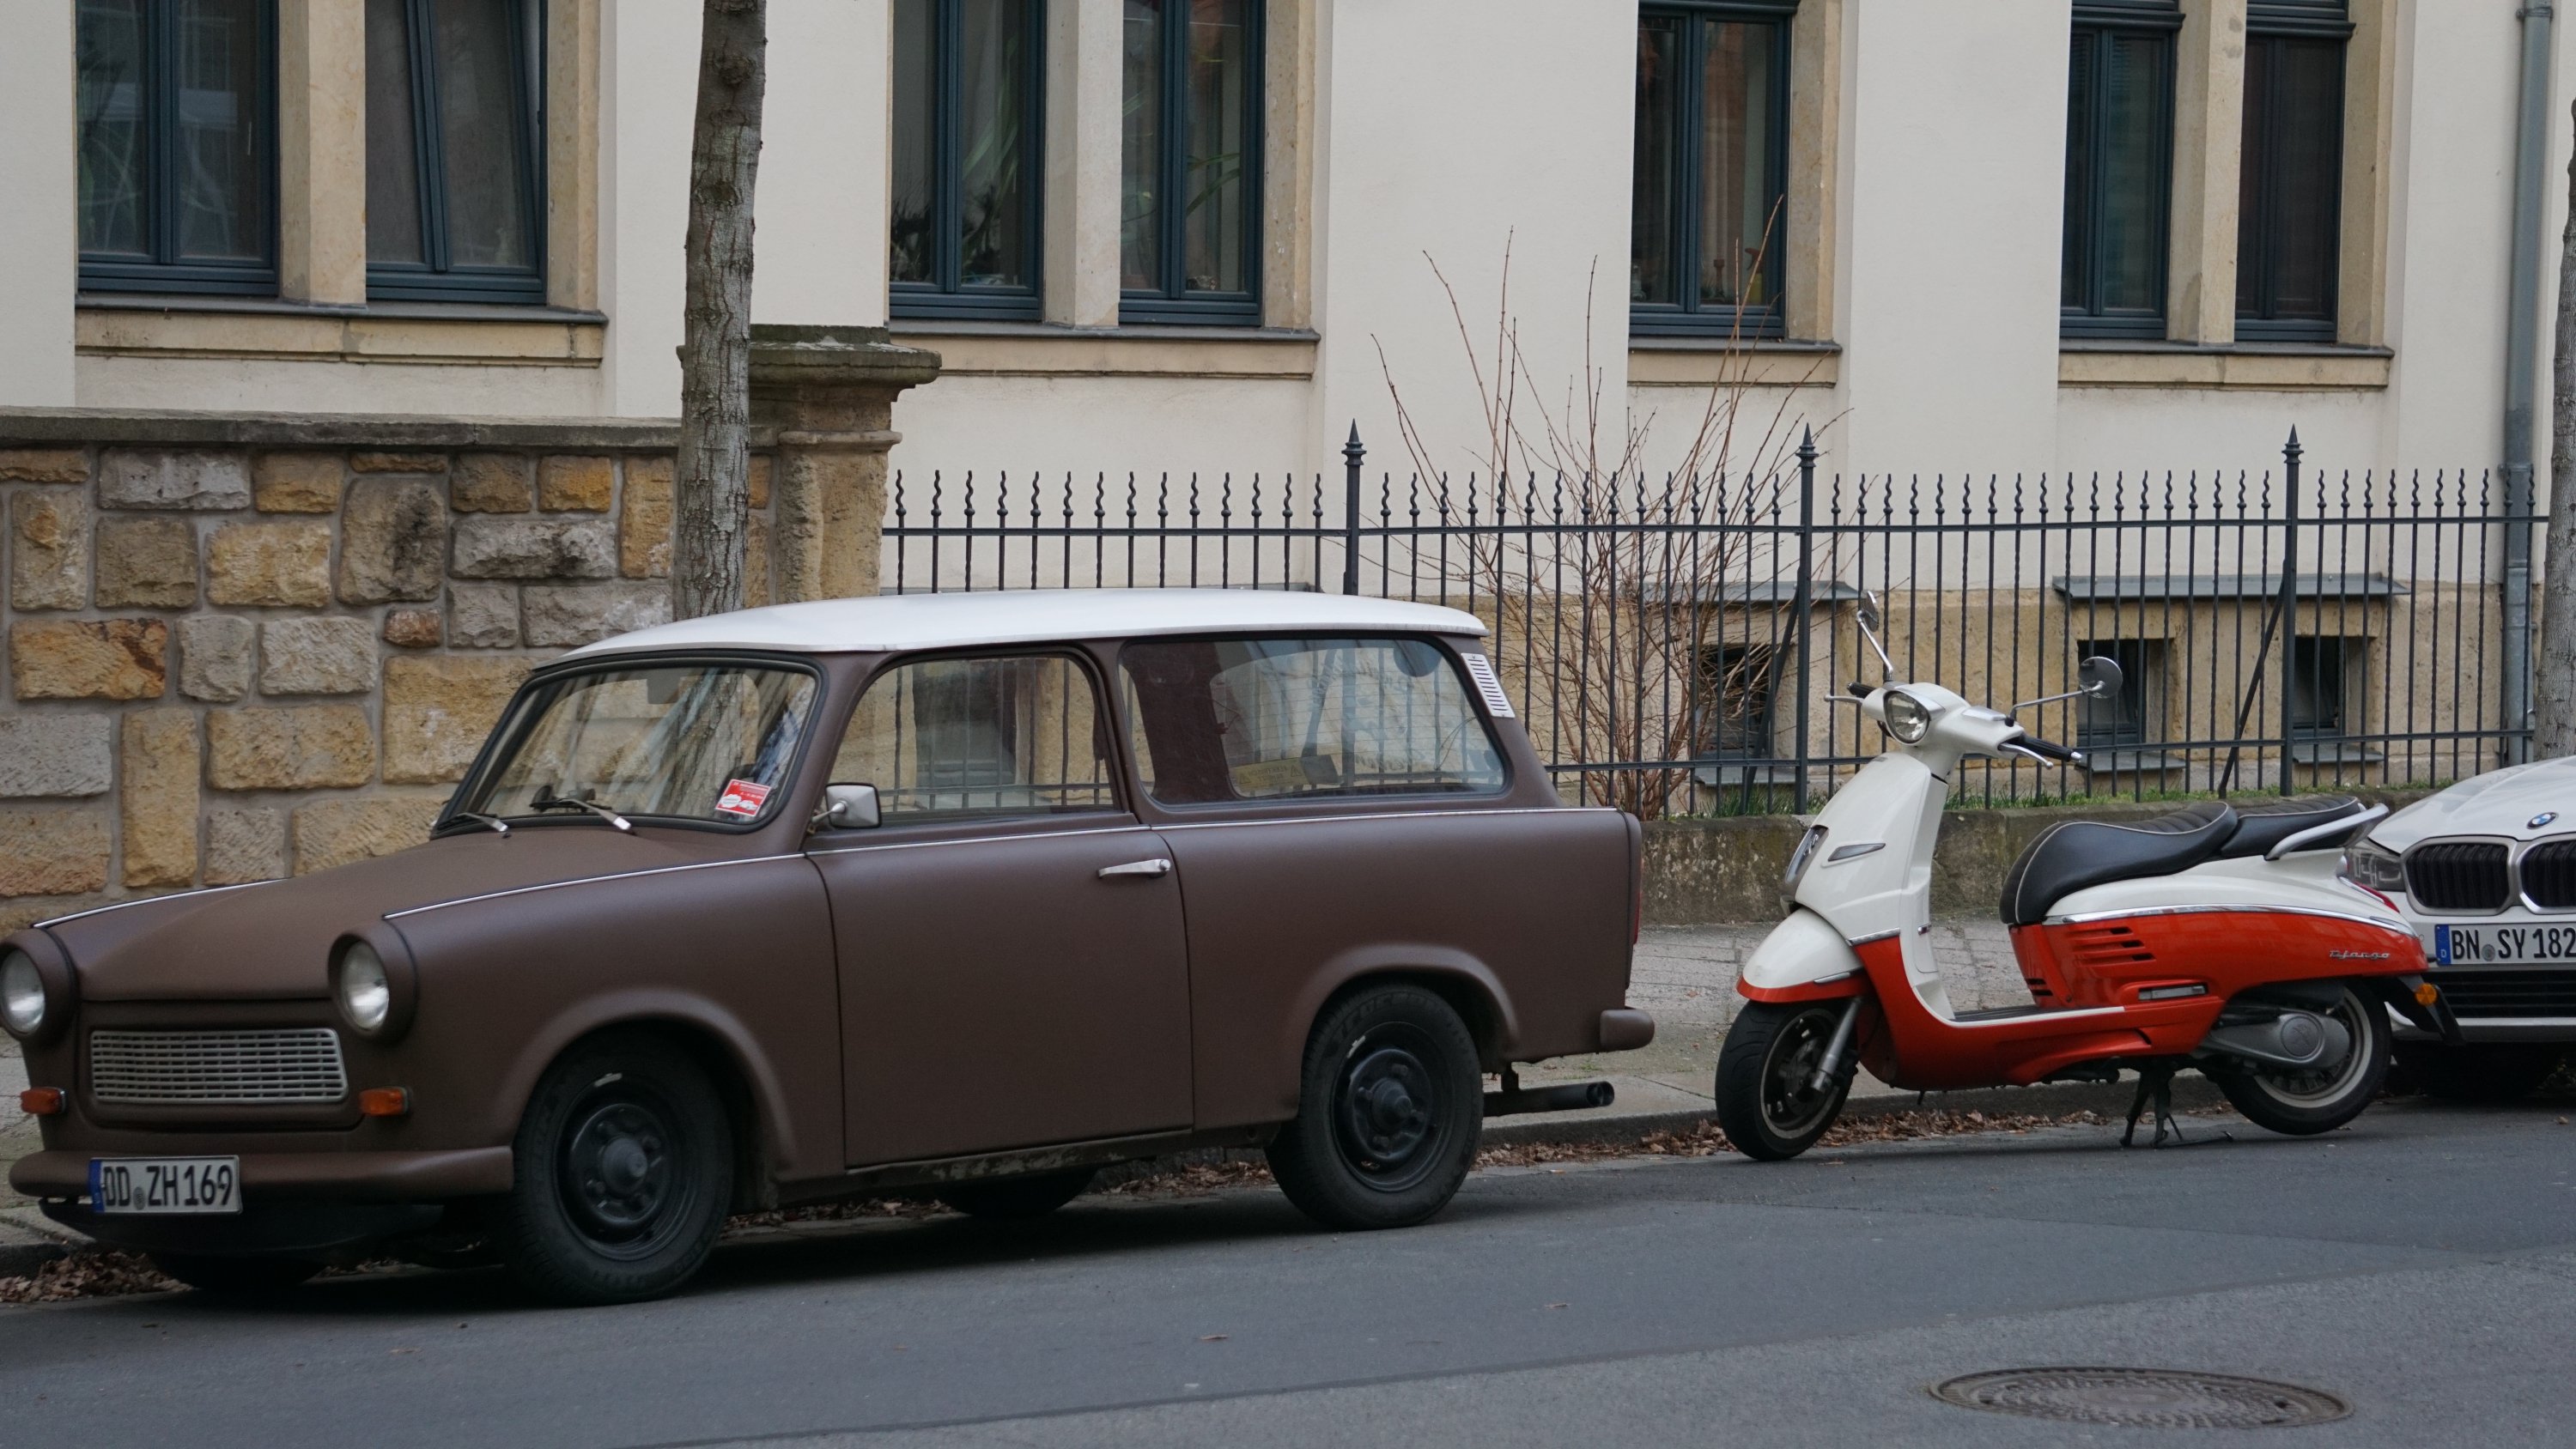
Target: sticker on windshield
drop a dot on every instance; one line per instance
(742, 799)
(1481, 670)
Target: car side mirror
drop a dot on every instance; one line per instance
(849, 807)
(2098, 677)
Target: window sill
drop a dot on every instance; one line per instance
(1719, 361)
(2245, 366)
(261, 328)
(1038, 349)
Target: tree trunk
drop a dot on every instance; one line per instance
(714, 489)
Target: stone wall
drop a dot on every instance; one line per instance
(241, 647)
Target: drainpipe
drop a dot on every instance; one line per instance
(2521, 375)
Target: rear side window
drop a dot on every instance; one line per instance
(1266, 719)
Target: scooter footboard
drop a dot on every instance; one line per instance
(1803, 959)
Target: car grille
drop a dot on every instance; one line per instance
(2458, 875)
(2549, 874)
(2509, 993)
(294, 1065)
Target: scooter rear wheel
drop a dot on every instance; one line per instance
(2305, 1104)
(1765, 1100)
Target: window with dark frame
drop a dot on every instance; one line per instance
(2290, 178)
(2318, 680)
(1738, 683)
(2125, 719)
(176, 106)
(2119, 168)
(968, 158)
(1711, 167)
(456, 150)
(1189, 244)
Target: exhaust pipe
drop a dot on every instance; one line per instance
(1573, 1097)
(2294, 1039)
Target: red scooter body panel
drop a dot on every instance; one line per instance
(2089, 977)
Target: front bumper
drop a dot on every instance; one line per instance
(62, 1174)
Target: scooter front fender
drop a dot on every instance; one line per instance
(1803, 959)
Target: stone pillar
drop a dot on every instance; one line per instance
(822, 400)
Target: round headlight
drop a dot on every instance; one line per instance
(22, 994)
(1907, 719)
(366, 996)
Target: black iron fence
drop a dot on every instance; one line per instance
(1679, 644)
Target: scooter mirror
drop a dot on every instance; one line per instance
(1866, 611)
(2098, 677)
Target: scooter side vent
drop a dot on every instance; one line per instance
(2108, 945)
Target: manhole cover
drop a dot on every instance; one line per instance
(2142, 1398)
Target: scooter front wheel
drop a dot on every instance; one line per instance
(1767, 1100)
(2302, 1104)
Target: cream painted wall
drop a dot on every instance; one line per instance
(1086, 426)
(649, 79)
(40, 224)
(262, 385)
(819, 247)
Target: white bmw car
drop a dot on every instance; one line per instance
(2486, 871)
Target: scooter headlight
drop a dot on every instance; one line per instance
(1810, 846)
(2368, 863)
(1907, 719)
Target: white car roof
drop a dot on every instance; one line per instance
(1023, 616)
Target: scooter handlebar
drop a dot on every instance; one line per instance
(2048, 750)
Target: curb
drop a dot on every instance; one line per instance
(2111, 1099)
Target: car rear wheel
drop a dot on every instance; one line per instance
(2302, 1104)
(236, 1275)
(1018, 1198)
(625, 1171)
(1767, 1101)
(1388, 1112)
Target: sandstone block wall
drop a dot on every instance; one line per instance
(239, 648)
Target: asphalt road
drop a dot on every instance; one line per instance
(2421, 1265)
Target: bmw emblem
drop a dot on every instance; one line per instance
(2541, 819)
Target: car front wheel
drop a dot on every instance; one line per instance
(1388, 1112)
(625, 1171)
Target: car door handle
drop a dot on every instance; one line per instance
(1154, 867)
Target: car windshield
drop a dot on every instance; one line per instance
(708, 742)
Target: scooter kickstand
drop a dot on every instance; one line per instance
(2155, 1084)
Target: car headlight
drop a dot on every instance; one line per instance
(1907, 719)
(366, 993)
(22, 994)
(2368, 863)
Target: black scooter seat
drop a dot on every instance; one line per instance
(2263, 824)
(2081, 853)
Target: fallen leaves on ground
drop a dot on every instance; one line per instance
(86, 1275)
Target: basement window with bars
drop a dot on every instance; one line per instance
(1734, 721)
(176, 124)
(1711, 166)
(2290, 178)
(2326, 678)
(2119, 168)
(456, 151)
(2115, 731)
(969, 145)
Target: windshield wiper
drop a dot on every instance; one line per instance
(553, 801)
(497, 825)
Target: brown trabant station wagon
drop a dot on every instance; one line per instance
(960, 895)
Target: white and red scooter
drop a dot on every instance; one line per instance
(2213, 938)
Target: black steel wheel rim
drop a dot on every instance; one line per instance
(1388, 1109)
(621, 1181)
(1791, 1105)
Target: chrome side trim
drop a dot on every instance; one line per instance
(1471, 811)
(1881, 936)
(583, 881)
(978, 840)
(2089, 917)
(144, 901)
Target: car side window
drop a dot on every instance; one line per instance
(980, 739)
(1261, 719)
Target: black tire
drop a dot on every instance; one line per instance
(1764, 1103)
(2304, 1104)
(625, 1173)
(237, 1276)
(1018, 1199)
(2499, 1073)
(1388, 1110)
